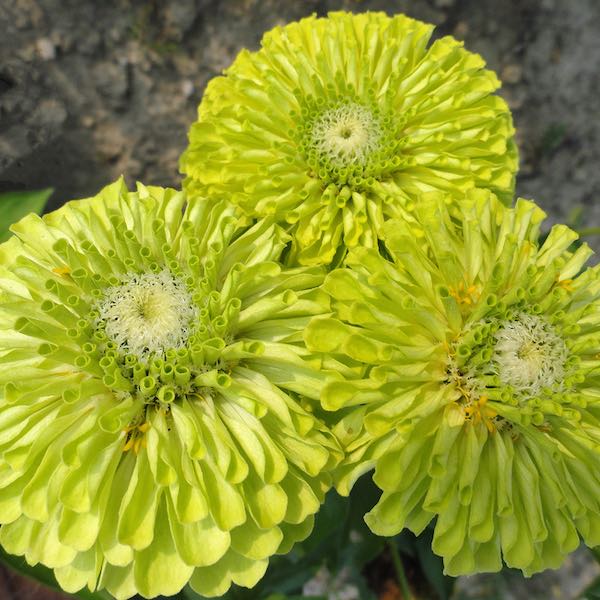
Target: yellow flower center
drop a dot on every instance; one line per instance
(346, 135)
(529, 355)
(148, 314)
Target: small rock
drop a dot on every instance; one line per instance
(50, 113)
(187, 88)
(218, 53)
(461, 30)
(580, 174)
(110, 141)
(88, 121)
(511, 73)
(46, 49)
(514, 101)
(89, 43)
(185, 65)
(111, 81)
(179, 17)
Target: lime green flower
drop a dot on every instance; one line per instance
(336, 122)
(480, 403)
(152, 429)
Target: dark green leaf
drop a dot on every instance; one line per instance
(593, 591)
(433, 566)
(15, 205)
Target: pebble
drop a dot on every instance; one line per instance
(187, 88)
(46, 49)
(461, 30)
(512, 73)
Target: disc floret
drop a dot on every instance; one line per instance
(346, 136)
(529, 355)
(514, 360)
(147, 314)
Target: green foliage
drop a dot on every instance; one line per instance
(552, 138)
(593, 591)
(15, 205)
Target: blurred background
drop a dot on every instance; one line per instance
(91, 90)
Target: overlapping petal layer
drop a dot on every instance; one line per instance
(338, 121)
(479, 399)
(152, 429)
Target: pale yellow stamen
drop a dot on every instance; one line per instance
(148, 313)
(62, 271)
(529, 355)
(479, 412)
(346, 135)
(136, 437)
(463, 294)
(566, 284)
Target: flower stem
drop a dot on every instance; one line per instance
(399, 567)
(588, 231)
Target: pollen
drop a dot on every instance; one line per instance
(62, 271)
(148, 314)
(135, 437)
(346, 135)
(480, 412)
(464, 294)
(529, 355)
(566, 284)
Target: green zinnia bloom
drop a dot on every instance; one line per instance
(480, 400)
(338, 121)
(151, 422)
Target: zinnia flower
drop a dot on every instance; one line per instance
(480, 406)
(151, 427)
(336, 122)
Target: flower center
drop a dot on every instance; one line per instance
(148, 314)
(529, 355)
(346, 135)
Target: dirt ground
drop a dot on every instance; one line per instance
(91, 90)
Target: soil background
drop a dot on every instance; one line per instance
(90, 90)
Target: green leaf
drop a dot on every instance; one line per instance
(45, 576)
(15, 205)
(593, 591)
(325, 541)
(588, 231)
(361, 545)
(433, 566)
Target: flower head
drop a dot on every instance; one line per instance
(152, 425)
(479, 402)
(337, 122)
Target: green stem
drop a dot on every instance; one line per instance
(588, 231)
(399, 567)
